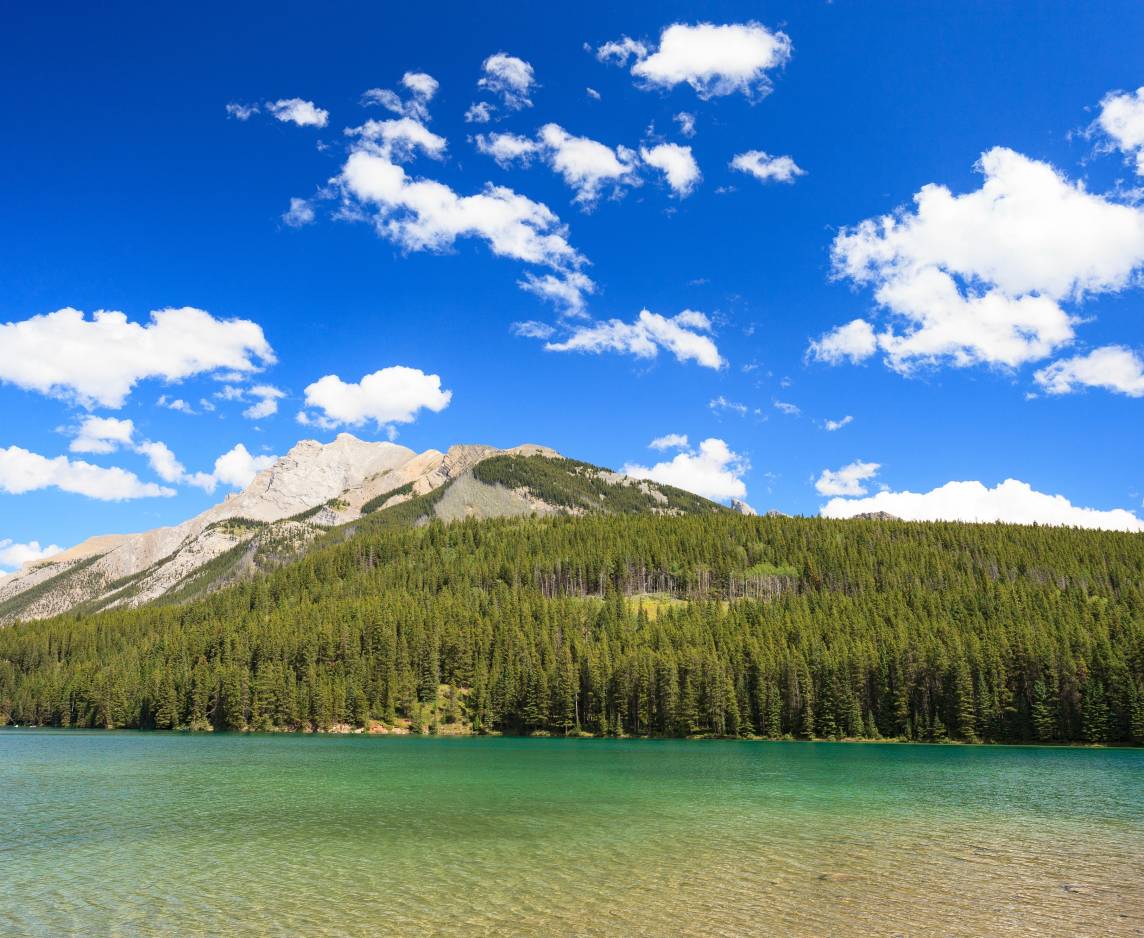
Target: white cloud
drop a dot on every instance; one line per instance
(300, 213)
(176, 404)
(480, 112)
(162, 460)
(791, 410)
(511, 78)
(1113, 367)
(401, 138)
(979, 278)
(721, 404)
(420, 84)
(13, 556)
(507, 149)
(683, 335)
(714, 471)
(832, 425)
(849, 480)
(1011, 501)
(297, 111)
(391, 395)
(23, 471)
(531, 329)
(421, 88)
(235, 468)
(242, 112)
(1122, 119)
(854, 341)
(620, 51)
(423, 214)
(587, 165)
(767, 168)
(686, 121)
(669, 441)
(592, 93)
(102, 435)
(566, 290)
(713, 60)
(678, 166)
(99, 360)
(266, 404)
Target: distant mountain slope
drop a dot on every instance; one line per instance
(315, 489)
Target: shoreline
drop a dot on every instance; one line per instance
(403, 733)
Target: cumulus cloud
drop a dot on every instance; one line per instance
(102, 435)
(785, 407)
(849, 480)
(421, 88)
(586, 165)
(686, 336)
(509, 77)
(162, 460)
(480, 112)
(568, 291)
(979, 278)
(13, 556)
(669, 441)
(24, 471)
(1122, 120)
(767, 168)
(401, 138)
(242, 112)
(236, 468)
(507, 149)
(1011, 501)
(423, 214)
(391, 395)
(298, 111)
(99, 360)
(713, 59)
(686, 121)
(1112, 367)
(300, 213)
(266, 401)
(854, 341)
(832, 425)
(714, 471)
(677, 164)
(176, 404)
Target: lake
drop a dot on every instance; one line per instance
(123, 833)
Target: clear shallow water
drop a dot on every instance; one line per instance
(155, 834)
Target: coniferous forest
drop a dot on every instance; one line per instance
(635, 625)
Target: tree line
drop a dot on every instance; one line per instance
(635, 625)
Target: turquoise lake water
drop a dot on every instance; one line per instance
(166, 834)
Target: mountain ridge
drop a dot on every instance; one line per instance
(313, 488)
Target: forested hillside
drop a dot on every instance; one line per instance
(705, 624)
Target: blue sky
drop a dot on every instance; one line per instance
(1001, 332)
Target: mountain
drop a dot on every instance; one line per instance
(315, 489)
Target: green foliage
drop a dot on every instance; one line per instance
(567, 483)
(376, 502)
(755, 626)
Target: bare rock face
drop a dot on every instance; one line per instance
(310, 474)
(737, 504)
(877, 516)
(335, 478)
